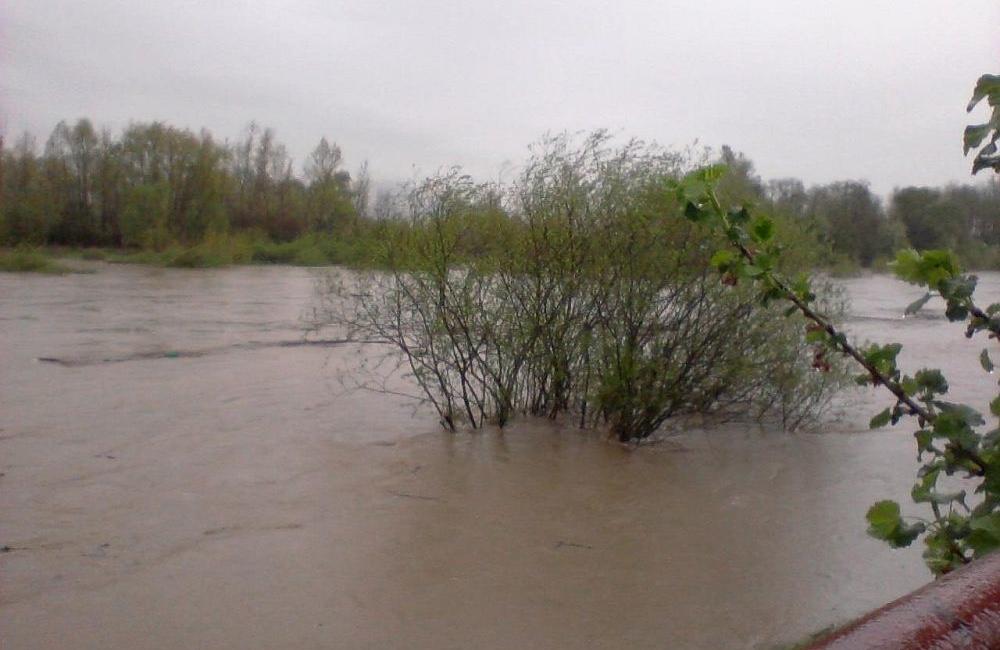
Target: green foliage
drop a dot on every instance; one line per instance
(157, 187)
(988, 88)
(144, 219)
(578, 291)
(24, 259)
(963, 218)
(886, 523)
(949, 440)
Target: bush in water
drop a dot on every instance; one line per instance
(578, 291)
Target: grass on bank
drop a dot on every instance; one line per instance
(364, 248)
(216, 251)
(28, 260)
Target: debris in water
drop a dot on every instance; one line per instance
(560, 544)
(407, 495)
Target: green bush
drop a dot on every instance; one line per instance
(580, 291)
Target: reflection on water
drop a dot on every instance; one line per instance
(216, 487)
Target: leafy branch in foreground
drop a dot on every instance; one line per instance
(988, 88)
(948, 433)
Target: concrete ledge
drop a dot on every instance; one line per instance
(960, 610)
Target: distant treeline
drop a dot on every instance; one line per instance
(852, 225)
(156, 187)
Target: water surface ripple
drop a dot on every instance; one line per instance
(180, 468)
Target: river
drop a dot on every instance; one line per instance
(178, 471)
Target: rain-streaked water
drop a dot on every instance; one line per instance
(178, 471)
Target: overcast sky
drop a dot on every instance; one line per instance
(869, 89)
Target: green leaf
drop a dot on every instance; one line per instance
(694, 213)
(764, 261)
(985, 361)
(959, 287)
(710, 173)
(802, 285)
(722, 258)
(922, 495)
(886, 524)
(961, 412)
(987, 86)
(974, 135)
(982, 162)
(995, 406)
(956, 312)
(981, 542)
(924, 438)
(762, 229)
(928, 268)
(883, 518)
(883, 357)
(905, 535)
(816, 335)
(880, 420)
(739, 215)
(932, 381)
(990, 523)
(985, 535)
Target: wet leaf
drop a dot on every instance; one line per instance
(885, 523)
(928, 268)
(985, 361)
(694, 213)
(932, 381)
(956, 312)
(924, 438)
(883, 518)
(739, 215)
(762, 229)
(985, 535)
(962, 413)
(974, 135)
(722, 258)
(988, 86)
(995, 406)
(880, 420)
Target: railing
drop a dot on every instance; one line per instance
(960, 610)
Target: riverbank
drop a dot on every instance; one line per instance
(29, 260)
(215, 252)
(306, 251)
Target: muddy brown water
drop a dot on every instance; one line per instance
(182, 473)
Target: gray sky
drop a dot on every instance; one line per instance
(823, 91)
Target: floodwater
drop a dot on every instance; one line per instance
(178, 471)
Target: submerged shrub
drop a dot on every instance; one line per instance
(578, 291)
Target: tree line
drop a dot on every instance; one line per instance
(854, 225)
(155, 184)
